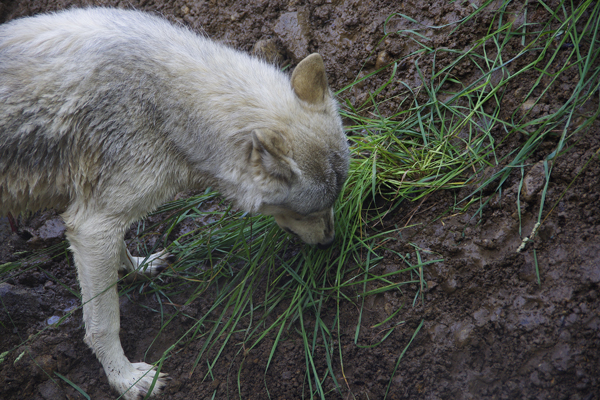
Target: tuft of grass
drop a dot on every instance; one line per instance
(446, 133)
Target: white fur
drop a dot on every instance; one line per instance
(108, 113)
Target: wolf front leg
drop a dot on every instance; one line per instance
(97, 246)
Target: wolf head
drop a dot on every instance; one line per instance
(308, 156)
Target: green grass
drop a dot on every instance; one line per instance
(448, 133)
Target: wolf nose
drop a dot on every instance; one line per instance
(325, 246)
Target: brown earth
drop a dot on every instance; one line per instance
(489, 331)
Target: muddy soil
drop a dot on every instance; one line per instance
(489, 329)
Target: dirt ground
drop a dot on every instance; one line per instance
(489, 331)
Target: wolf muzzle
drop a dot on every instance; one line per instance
(326, 245)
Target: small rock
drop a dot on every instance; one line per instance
(388, 308)
(293, 29)
(528, 104)
(561, 356)
(51, 391)
(481, 317)
(53, 229)
(534, 378)
(45, 362)
(449, 285)
(534, 181)
(462, 332)
(383, 58)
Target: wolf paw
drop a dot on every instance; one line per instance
(153, 265)
(135, 383)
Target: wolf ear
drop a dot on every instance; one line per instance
(309, 80)
(271, 153)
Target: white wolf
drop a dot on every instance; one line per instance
(108, 113)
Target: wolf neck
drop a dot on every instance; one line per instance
(235, 92)
(231, 94)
